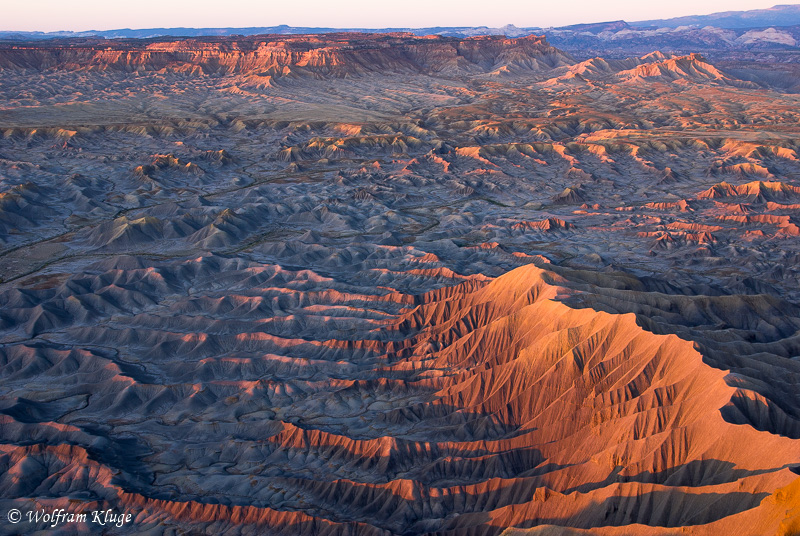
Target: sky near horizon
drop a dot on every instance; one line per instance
(81, 15)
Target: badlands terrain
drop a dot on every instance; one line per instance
(394, 285)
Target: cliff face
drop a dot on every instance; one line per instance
(333, 54)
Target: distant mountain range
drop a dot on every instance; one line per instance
(461, 31)
(781, 15)
(778, 16)
(619, 39)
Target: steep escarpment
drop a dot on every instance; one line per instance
(330, 54)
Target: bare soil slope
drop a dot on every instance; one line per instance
(392, 285)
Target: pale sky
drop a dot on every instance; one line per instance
(79, 15)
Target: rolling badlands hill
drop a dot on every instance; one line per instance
(384, 284)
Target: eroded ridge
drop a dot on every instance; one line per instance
(469, 409)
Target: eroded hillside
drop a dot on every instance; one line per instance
(397, 285)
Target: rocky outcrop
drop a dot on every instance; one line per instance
(330, 54)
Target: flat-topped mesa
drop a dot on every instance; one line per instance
(331, 54)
